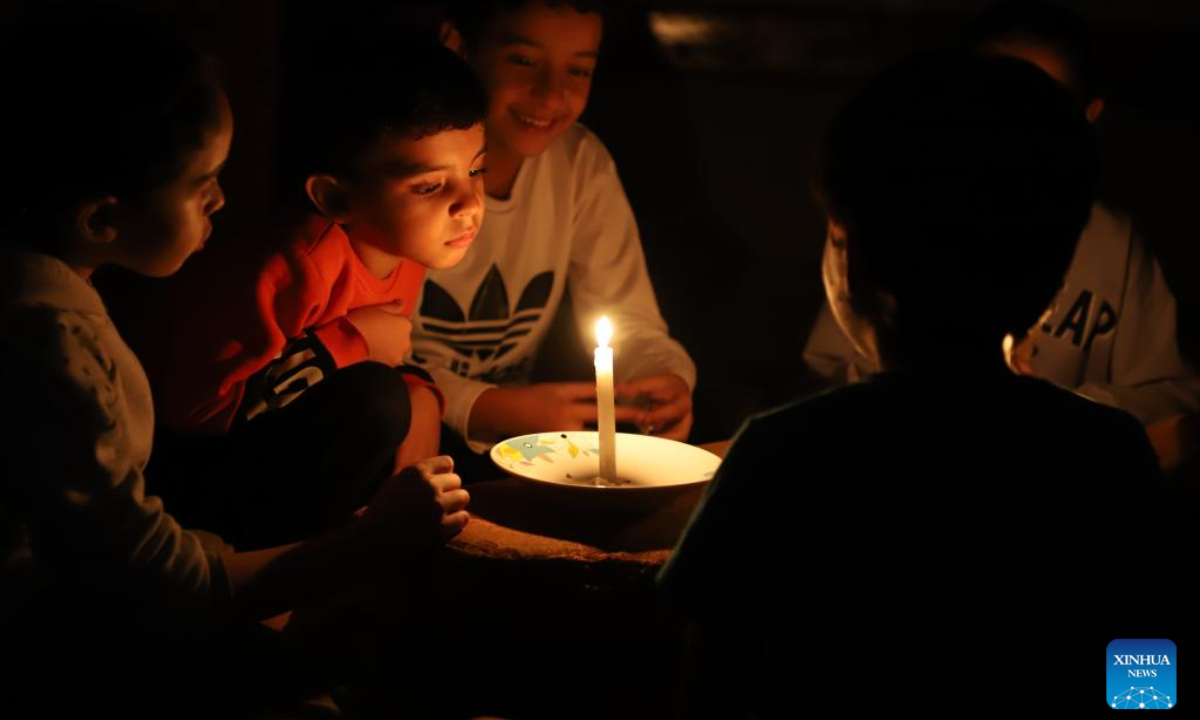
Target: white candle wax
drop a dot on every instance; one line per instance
(606, 402)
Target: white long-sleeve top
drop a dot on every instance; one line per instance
(481, 323)
(73, 508)
(1109, 335)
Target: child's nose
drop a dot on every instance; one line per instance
(469, 201)
(551, 85)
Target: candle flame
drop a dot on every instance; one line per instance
(604, 332)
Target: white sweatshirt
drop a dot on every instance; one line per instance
(82, 422)
(480, 324)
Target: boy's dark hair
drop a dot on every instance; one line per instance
(402, 85)
(1045, 24)
(99, 101)
(472, 17)
(963, 182)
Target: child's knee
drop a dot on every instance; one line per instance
(424, 434)
(426, 411)
(380, 405)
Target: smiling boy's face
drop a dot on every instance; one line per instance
(537, 65)
(420, 199)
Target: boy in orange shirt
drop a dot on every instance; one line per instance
(300, 345)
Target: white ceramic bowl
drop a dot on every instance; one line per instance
(563, 465)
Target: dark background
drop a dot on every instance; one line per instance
(712, 110)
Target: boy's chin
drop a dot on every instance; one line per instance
(446, 260)
(530, 145)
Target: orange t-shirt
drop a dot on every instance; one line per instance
(233, 313)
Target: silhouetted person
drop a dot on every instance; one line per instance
(908, 535)
(1110, 333)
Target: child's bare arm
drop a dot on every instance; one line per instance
(387, 331)
(306, 360)
(415, 510)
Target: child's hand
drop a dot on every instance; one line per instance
(387, 332)
(540, 407)
(423, 504)
(1020, 356)
(670, 412)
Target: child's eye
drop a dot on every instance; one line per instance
(429, 189)
(520, 60)
(581, 72)
(479, 171)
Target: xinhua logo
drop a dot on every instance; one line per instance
(1141, 675)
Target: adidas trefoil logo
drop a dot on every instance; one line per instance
(489, 329)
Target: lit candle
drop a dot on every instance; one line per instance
(605, 401)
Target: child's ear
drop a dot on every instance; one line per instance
(449, 36)
(329, 196)
(1094, 108)
(96, 220)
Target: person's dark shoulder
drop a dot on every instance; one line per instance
(846, 418)
(766, 438)
(818, 413)
(1079, 411)
(1104, 445)
(1078, 407)
(795, 448)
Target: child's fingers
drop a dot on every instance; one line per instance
(576, 391)
(666, 414)
(657, 387)
(580, 413)
(395, 308)
(454, 501)
(672, 428)
(445, 482)
(455, 522)
(632, 387)
(678, 431)
(588, 413)
(437, 464)
(628, 414)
